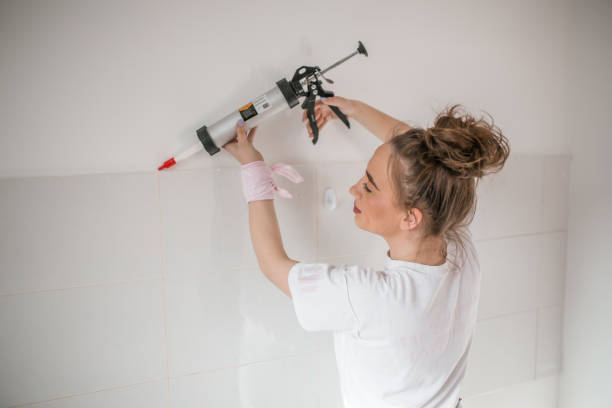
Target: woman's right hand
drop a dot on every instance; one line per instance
(324, 114)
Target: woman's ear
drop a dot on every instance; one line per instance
(411, 219)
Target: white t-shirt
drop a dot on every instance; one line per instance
(401, 335)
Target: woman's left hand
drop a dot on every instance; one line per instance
(242, 147)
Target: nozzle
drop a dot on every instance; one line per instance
(167, 164)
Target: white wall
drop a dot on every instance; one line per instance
(121, 286)
(116, 86)
(588, 323)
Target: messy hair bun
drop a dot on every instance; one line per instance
(436, 169)
(465, 146)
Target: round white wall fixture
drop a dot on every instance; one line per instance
(329, 199)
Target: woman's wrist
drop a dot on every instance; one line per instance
(252, 163)
(357, 106)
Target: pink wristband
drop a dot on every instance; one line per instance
(258, 180)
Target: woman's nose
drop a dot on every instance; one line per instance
(353, 190)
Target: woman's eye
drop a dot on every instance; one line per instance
(366, 187)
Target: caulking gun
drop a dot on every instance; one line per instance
(305, 83)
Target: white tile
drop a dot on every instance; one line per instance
(150, 395)
(550, 340)
(59, 232)
(303, 381)
(222, 318)
(521, 273)
(206, 220)
(73, 341)
(552, 269)
(509, 269)
(556, 192)
(478, 226)
(217, 388)
(296, 216)
(204, 324)
(338, 234)
(540, 393)
(510, 202)
(502, 353)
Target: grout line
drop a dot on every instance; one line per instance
(163, 270)
(229, 165)
(111, 283)
(28, 404)
(213, 370)
(527, 234)
(537, 342)
(508, 314)
(249, 268)
(316, 220)
(168, 378)
(505, 386)
(536, 309)
(241, 268)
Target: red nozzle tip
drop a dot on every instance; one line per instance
(167, 164)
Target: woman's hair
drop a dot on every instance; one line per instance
(436, 170)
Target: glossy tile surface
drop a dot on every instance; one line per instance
(503, 351)
(152, 394)
(59, 232)
(222, 319)
(306, 380)
(232, 337)
(206, 220)
(511, 202)
(521, 273)
(338, 233)
(549, 357)
(67, 342)
(540, 393)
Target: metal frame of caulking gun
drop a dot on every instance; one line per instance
(304, 77)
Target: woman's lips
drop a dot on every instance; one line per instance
(355, 209)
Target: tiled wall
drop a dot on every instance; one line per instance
(132, 290)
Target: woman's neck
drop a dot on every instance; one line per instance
(431, 251)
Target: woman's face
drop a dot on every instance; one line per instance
(378, 214)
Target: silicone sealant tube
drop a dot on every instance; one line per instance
(276, 100)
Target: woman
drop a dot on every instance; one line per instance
(402, 335)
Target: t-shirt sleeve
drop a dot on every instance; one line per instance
(324, 296)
